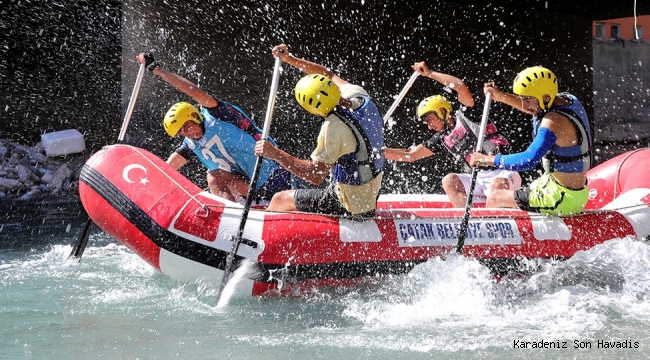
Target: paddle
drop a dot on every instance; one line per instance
(400, 96)
(82, 240)
(237, 239)
(479, 145)
(129, 109)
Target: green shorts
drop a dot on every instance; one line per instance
(546, 196)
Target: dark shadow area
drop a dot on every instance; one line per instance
(32, 223)
(60, 65)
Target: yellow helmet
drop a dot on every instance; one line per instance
(317, 94)
(536, 81)
(178, 115)
(434, 104)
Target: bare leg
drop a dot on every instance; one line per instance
(283, 201)
(501, 195)
(455, 190)
(500, 198)
(499, 184)
(227, 185)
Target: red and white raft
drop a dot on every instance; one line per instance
(186, 232)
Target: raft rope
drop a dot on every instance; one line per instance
(178, 185)
(207, 207)
(190, 195)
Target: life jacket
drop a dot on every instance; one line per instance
(461, 140)
(569, 159)
(240, 119)
(367, 161)
(226, 147)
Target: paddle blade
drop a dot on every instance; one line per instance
(82, 240)
(245, 270)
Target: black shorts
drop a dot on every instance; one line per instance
(522, 197)
(278, 181)
(324, 201)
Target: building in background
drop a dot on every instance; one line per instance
(622, 28)
(621, 82)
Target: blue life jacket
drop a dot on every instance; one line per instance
(226, 147)
(569, 159)
(247, 125)
(367, 161)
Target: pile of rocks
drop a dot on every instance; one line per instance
(26, 173)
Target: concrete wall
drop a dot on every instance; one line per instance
(622, 92)
(60, 65)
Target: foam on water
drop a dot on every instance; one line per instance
(443, 307)
(456, 305)
(228, 291)
(566, 300)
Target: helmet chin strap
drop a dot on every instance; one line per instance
(446, 123)
(547, 104)
(447, 128)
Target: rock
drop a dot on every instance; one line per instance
(9, 184)
(36, 155)
(28, 185)
(63, 142)
(60, 176)
(9, 172)
(30, 195)
(25, 174)
(47, 177)
(19, 150)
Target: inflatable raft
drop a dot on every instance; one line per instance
(186, 232)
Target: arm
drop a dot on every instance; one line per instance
(452, 82)
(407, 155)
(509, 99)
(544, 140)
(308, 67)
(180, 83)
(312, 171)
(175, 160)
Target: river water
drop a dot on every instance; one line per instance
(113, 305)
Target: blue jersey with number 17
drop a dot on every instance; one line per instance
(228, 148)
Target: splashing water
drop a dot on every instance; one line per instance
(113, 304)
(245, 267)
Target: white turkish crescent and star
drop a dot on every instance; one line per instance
(128, 168)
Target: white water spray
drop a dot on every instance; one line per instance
(245, 267)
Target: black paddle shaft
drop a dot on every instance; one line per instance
(465, 223)
(82, 240)
(470, 197)
(237, 239)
